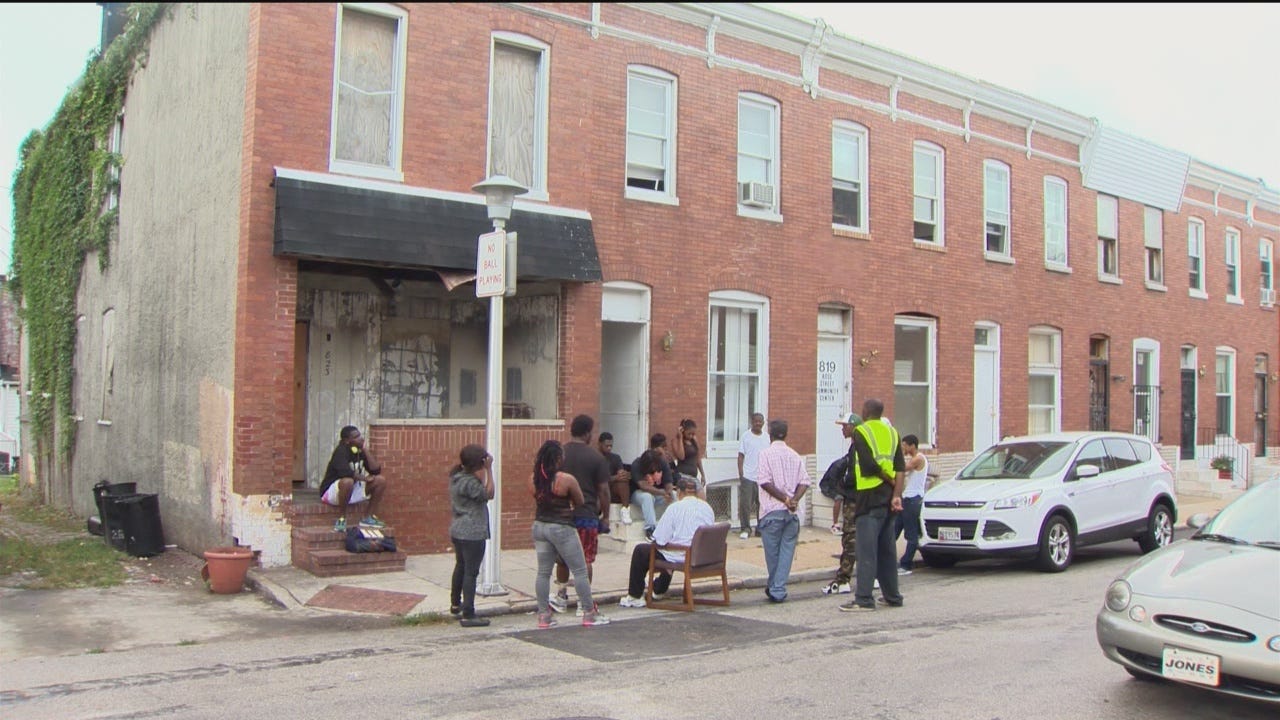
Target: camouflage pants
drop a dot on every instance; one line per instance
(847, 526)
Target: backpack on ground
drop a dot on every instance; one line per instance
(363, 539)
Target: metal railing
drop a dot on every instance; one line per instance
(1212, 443)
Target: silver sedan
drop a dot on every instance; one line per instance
(1205, 611)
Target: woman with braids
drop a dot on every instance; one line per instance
(470, 490)
(555, 494)
(688, 455)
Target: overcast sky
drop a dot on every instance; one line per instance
(1198, 78)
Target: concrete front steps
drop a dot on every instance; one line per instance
(320, 551)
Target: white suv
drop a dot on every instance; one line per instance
(1040, 496)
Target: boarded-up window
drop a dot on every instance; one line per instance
(366, 104)
(513, 129)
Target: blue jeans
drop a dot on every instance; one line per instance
(908, 521)
(779, 531)
(877, 552)
(552, 540)
(649, 504)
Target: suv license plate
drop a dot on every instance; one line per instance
(1179, 664)
(951, 534)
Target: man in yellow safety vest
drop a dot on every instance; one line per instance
(877, 466)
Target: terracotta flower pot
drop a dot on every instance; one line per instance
(225, 568)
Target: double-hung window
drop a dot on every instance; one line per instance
(1266, 250)
(927, 186)
(1195, 257)
(1044, 365)
(651, 134)
(518, 111)
(849, 176)
(1153, 240)
(1108, 237)
(914, 376)
(1232, 257)
(1225, 390)
(737, 352)
(995, 207)
(367, 126)
(1055, 222)
(758, 152)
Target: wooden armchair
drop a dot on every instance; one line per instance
(704, 557)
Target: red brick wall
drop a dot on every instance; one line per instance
(685, 252)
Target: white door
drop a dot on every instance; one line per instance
(834, 384)
(986, 386)
(624, 368)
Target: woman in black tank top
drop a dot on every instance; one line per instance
(687, 453)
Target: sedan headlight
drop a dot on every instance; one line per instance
(1118, 596)
(1017, 501)
(1274, 644)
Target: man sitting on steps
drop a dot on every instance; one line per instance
(353, 476)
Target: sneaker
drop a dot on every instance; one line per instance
(836, 529)
(631, 602)
(455, 610)
(903, 571)
(477, 622)
(648, 534)
(340, 525)
(659, 596)
(876, 584)
(578, 612)
(625, 514)
(546, 621)
(855, 607)
(836, 588)
(745, 534)
(594, 618)
(559, 602)
(881, 601)
(372, 521)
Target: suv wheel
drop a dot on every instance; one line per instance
(935, 560)
(1159, 529)
(1056, 545)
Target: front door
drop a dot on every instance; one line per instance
(986, 394)
(1099, 395)
(624, 367)
(1188, 434)
(1260, 413)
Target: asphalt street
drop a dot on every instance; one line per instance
(983, 640)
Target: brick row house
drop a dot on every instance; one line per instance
(730, 209)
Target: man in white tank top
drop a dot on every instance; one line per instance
(912, 500)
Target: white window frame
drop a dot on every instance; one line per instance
(670, 84)
(735, 299)
(115, 146)
(995, 216)
(774, 170)
(1052, 369)
(930, 325)
(393, 171)
(1231, 263)
(1153, 246)
(538, 191)
(1151, 346)
(1054, 225)
(861, 135)
(1108, 234)
(1195, 259)
(1228, 355)
(1266, 267)
(928, 148)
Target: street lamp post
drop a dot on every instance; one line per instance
(499, 196)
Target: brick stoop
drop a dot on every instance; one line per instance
(320, 551)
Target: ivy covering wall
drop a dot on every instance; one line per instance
(65, 175)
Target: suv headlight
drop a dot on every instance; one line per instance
(1017, 501)
(1118, 596)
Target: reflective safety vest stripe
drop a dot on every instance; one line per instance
(883, 441)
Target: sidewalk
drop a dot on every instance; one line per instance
(423, 587)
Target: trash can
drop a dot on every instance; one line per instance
(132, 523)
(100, 489)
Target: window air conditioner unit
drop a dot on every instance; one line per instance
(1268, 297)
(755, 194)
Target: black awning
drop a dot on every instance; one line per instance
(367, 226)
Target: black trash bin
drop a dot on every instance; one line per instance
(100, 489)
(132, 523)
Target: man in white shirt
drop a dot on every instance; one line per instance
(749, 447)
(677, 526)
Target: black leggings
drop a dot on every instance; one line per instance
(467, 555)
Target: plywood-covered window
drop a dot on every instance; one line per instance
(518, 112)
(368, 91)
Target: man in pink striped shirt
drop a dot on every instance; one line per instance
(783, 481)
